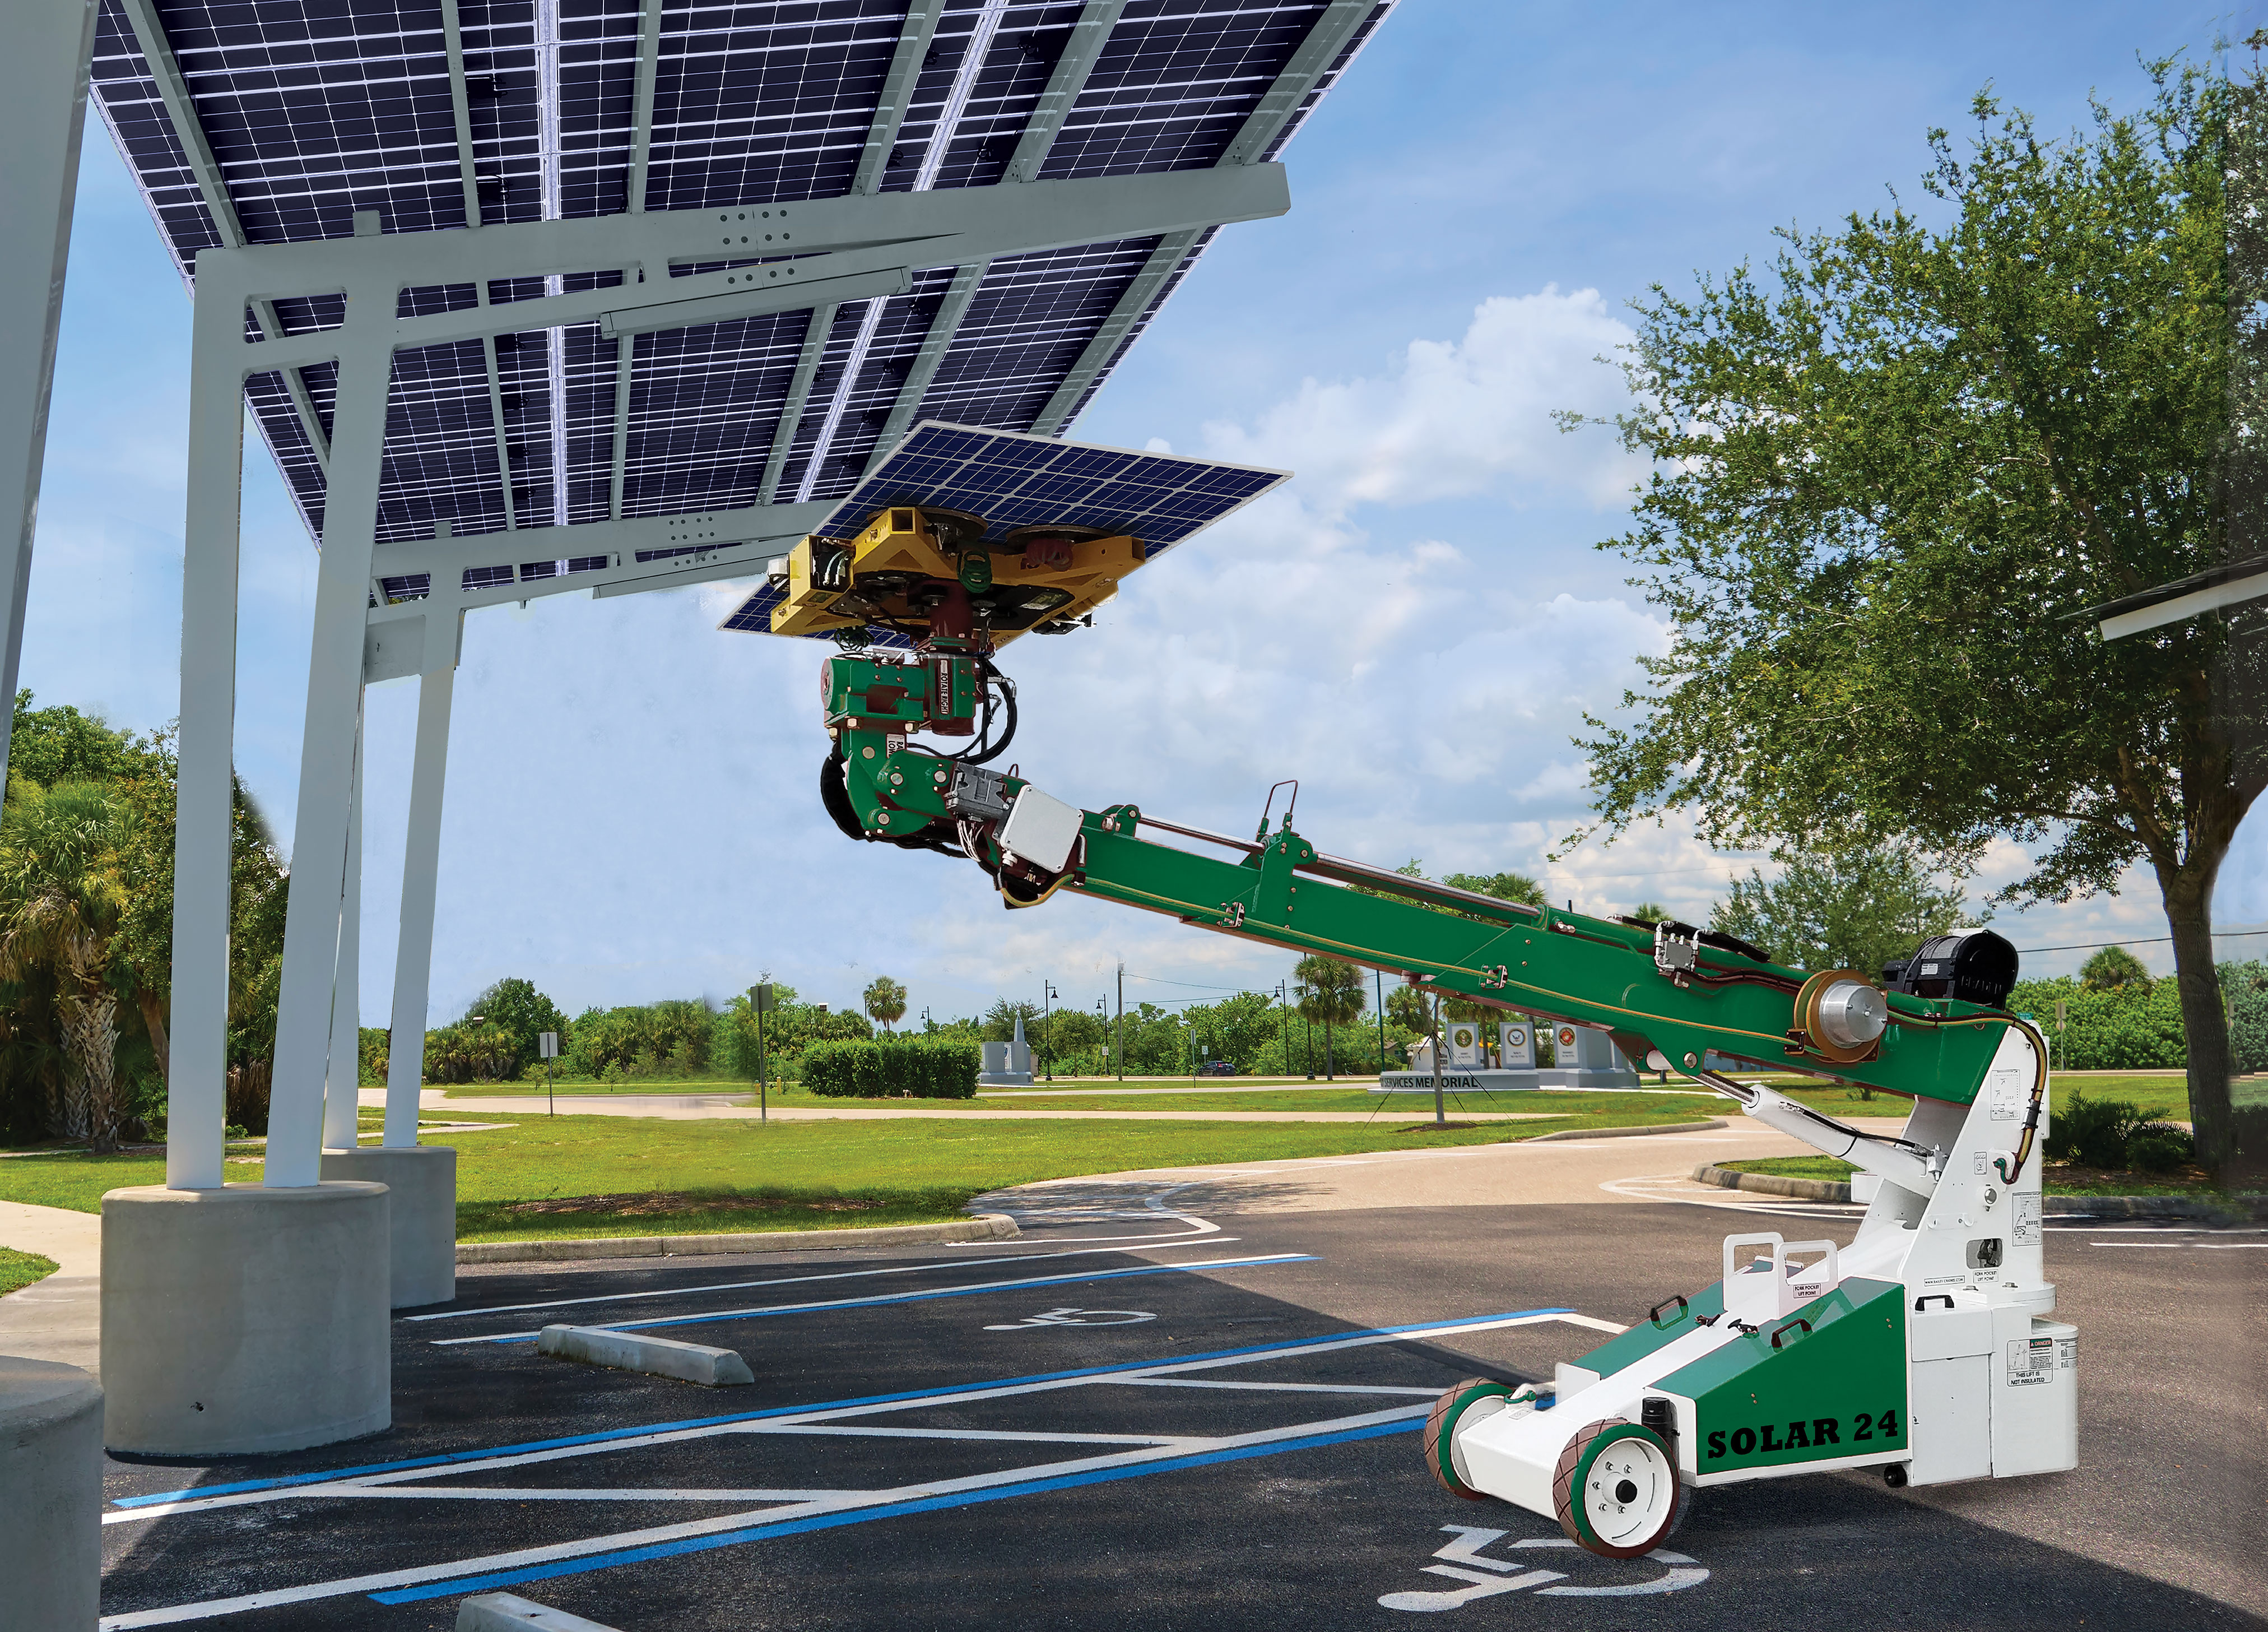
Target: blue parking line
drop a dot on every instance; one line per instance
(896, 1509)
(449, 1458)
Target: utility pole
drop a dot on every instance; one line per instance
(1122, 1022)
(1378, 985)
(1433, 1019)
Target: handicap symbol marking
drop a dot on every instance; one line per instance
(1511, 1575)
(1077, 1318)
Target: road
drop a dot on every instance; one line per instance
(1188, 1400)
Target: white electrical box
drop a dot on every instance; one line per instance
(2035, 1394)
(1040, 830)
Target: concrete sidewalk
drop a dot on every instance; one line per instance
(686, 1108)
(60, 1318)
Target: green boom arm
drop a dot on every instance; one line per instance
(1595, 972)
(1658, 992)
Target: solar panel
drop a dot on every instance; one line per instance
(1014, 480)
(269, 122)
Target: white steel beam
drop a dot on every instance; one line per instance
(173, 92)
(849, 247)
(1327, 37)
(799, 393)
(319, 837)
(2210, 599)
(197, 1061)
(933, 348)
(453, 40)
(342, 1078)
(1172, 250)
(44, 51)
(642, 103)
(897, 90)
(420, 861)
(1088, 36)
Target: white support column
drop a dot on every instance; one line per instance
(341, 1081)
(420, 859)
(319, 834)
(203, 814)
(43, 65)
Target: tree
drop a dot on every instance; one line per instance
(1886, 468)
(515, 1009)
(1652, 912)
(1503, 886)
(1859, 911)
(1330, 994)
(2112, 968)
(62, 897)
(886, 1002)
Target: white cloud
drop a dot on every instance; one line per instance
(1456, 418)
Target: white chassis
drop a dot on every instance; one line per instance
(1990, 1382)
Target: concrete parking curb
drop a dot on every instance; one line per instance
(2251, 1208)
(501, 1612)
(1773, 1184)
(640, 1351)
(984, 1227)
(2057, 1206)
(1627, 1132)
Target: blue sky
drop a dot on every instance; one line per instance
(1413, 629)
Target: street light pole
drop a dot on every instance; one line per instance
(1122, 1022)
(1047, 995)
(760, 999)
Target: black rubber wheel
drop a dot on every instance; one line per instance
(1440, 1429)
(1616, 1490)
(1894, 1475)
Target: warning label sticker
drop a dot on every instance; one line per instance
(2033, 1361)
(2026, 1229)
(2066, 1353)
(2007, 1093)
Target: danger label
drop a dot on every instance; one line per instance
(2033, 1361)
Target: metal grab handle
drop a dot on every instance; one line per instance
(1923, 1302)
(1798, 1321)
(1678, 1299)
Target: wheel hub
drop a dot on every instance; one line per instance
(1630, 1492)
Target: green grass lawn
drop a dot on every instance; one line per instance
(741, 1175)
(20, 1269)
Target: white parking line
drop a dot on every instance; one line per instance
(781, 1280)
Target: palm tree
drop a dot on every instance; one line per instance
(63, 899)
(886, 1002)
(1330, 991)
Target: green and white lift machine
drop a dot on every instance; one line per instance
(1924, 1346)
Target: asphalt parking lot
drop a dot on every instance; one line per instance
(1165, 1407)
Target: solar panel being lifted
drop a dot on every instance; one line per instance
(1019, 486)
(253, 123)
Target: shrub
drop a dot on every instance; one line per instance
(2111, 1133)
(2160, 1147)
(881, 1070)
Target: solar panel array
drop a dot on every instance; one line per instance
(1013, 480)
(314, 110)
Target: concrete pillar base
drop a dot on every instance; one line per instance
(420, 1182)
(51, 1491)
(245, 1319)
